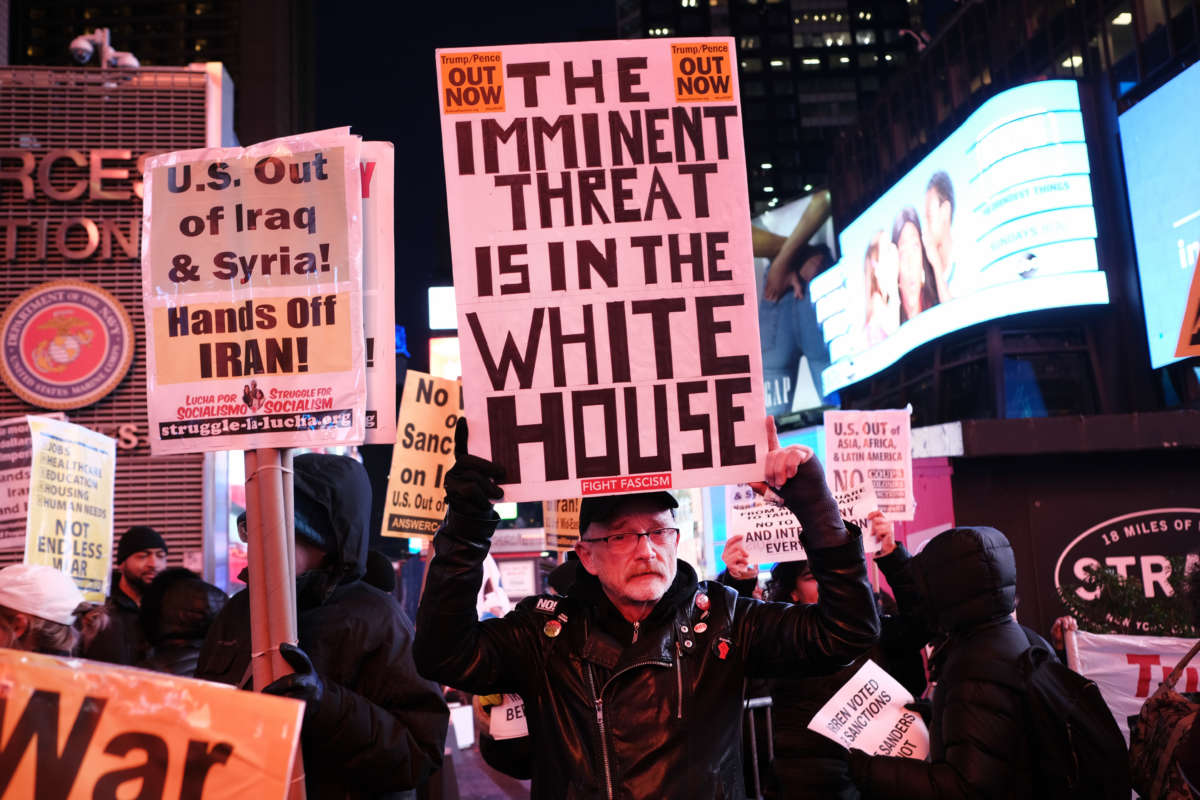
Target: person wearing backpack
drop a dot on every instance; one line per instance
(1002, 703)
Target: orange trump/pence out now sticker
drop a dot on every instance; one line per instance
(702, 71)
(472, 82)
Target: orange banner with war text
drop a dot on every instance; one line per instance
(80, 729)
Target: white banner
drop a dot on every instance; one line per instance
(868, 714)
(377, 170)
(873, 446)
(1129, 668)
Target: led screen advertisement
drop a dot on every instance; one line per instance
(1164, 204)
(997, 220)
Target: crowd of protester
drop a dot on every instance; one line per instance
(633, 670)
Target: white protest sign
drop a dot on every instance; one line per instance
(603, 266)
(868, 714)
(769, 532)
(508, 719)
(377, 172)
(1129, 668)
(872, 446)
(855, 504)
(252, 285)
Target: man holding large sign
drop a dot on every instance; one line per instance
(603, 265)
(633, 682)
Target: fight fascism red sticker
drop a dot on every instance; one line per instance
(65, 344)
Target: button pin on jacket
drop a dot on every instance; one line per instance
(721, 647)
(701, 627)
(702, 601)
(552, 628)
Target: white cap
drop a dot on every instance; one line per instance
(40, 591)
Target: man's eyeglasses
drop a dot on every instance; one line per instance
(628, 542)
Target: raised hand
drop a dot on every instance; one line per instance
(472, 484)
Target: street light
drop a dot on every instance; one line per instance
(85, 45)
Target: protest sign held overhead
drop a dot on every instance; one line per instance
(423, 453)
(855, 504)
(131, 732)
(252, 282)
(875, 447)
(70, 525)
(377, 176)
(602, 264)
(868, 714)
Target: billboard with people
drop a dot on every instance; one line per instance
(997, 220)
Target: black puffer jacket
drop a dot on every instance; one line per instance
(177, 611)
(962, 586)
(611, 716)
(380, 727)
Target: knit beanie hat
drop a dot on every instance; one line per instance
(137, 539)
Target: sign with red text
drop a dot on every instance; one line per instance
(78, 729)
(874, 446)
(377, 169)
(868, 714)
(252, 283)
(602, 264)
(1129, 668)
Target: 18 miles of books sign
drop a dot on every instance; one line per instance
(602, 264)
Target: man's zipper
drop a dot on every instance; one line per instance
(600, 723)
(678, 681)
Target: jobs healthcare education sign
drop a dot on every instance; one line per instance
(69, 526)
(76, 729)
(602, 264)
(252, 282)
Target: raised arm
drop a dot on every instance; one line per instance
(783, 638)
(452, 646)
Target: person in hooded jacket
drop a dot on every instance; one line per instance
(177, 610)
(372, 726)
(961, 587)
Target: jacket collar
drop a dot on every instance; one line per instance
(609, 636)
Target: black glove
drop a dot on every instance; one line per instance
(809, 498)
(471, 484)
(922, 708)
(303, 684)
(859, 767)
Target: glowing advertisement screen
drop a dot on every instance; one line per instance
(997, 220)
(1164, 203)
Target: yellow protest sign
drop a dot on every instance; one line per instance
(70, 524)
(79, 729)
(560, 518)
(424, 451)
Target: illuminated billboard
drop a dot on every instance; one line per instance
(1156, 135)
(997, 220)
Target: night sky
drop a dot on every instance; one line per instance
(375, 72)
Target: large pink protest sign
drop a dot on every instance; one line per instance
(602, 264)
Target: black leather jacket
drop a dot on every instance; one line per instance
(619, 713)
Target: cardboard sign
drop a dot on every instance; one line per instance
(377, 177)
(508, 719)
(1189, 331)
(1129, 668)
(602, 264)
(872, 446)
(560, 519)
(868, 714)
(81, 729)
(424, 452)
(70, 524)
(252, 283)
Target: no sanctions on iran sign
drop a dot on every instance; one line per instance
(602, 264)
(252, 281)
(65, 344)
